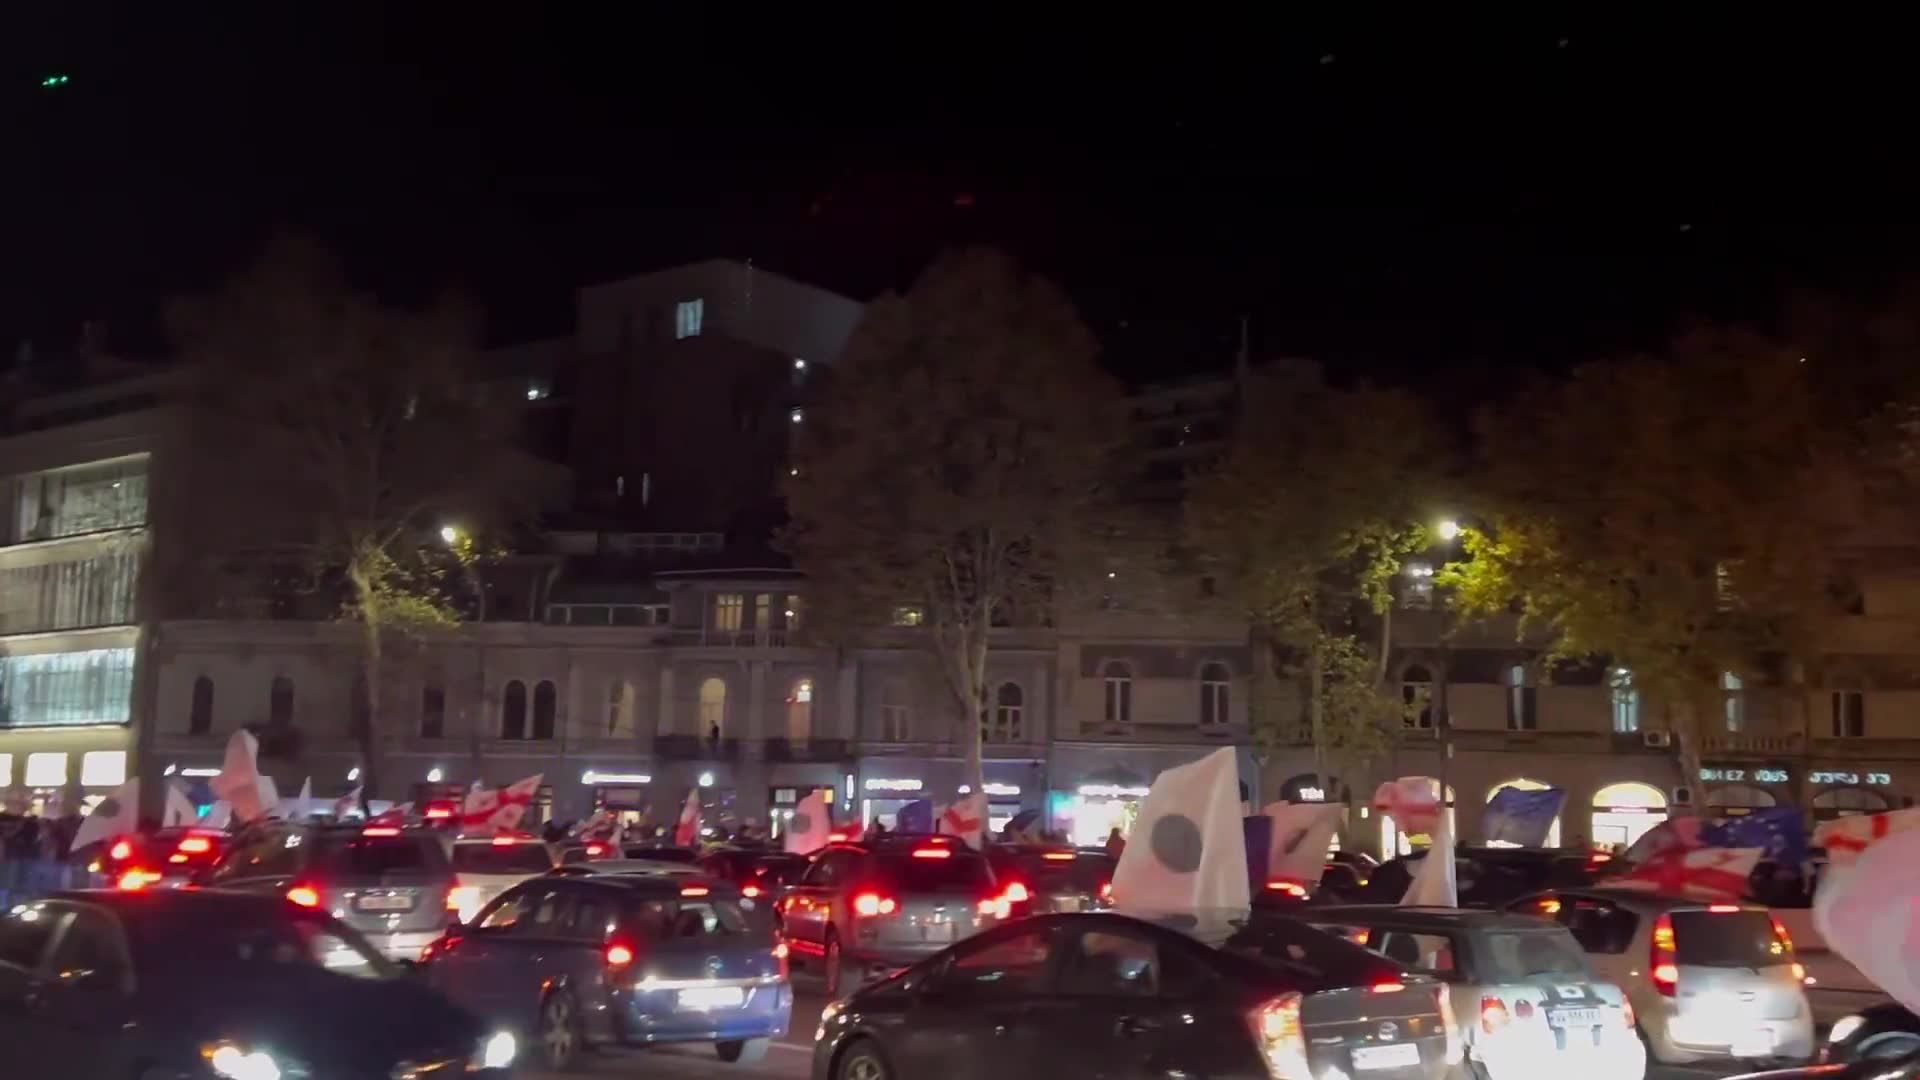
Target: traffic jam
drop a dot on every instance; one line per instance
(1208, 943)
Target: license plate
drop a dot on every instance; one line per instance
(936, 931)
(1397, 1056)
(1756, 1043)
(1573, 1017)
(713, 997)
(384, 903)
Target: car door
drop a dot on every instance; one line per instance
(1125, 1006)
(975, 1016)
(85, 1001)
(27, 935)
(487, 967)
(806, 913)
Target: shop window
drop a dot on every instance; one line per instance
(1849, 708)
(545, 706)
(1523, 702)
(800, 711)
(1740, 797)
(433, 712)
(896, 721)
(1624, 812)
(47, 769)
(713, 708)
(1733, 702)
(1416, 698)
(1118, 679)
(280, 702)
(513, 710)
(92, 686)
(1009, 713)
(1848, 801)
(103, 768)
(200, 718)
(1214, 680)
(1625, 699)
(908, 616)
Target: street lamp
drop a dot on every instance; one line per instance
(449, 534)
(706, 779)
(434, 774)
(1449, 529)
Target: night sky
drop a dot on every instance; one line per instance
(1396, 199)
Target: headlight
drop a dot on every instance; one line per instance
(1844, 1027)
(231, 1061)
(497, 1050)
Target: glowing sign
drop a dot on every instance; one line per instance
(878, 783)
(1312, 794)
(1839, 777)
(1111, 791)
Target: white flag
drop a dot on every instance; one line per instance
(117, 814)
(240, 784)
(1302, 833)
(1433, 884)
(490, 812)
(1413, 802)
(810, 824)
(179, 809)
(966, 818)
(1188, 848)
(1867, 913)
(1845, 838)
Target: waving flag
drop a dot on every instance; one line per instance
(1188, 850)
(808, 828)
(1413, 802)
(1865, 905)
(346, 804)
(1713, 873)
(916, 816)
(1521, 818)
(686, 832)
(1779, 833)
(487, 812)
(240, 782)
(1845, 838)
(1297, 844)
(117, 813)
(966, 818)
(1435, 883)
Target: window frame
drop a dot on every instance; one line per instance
(1117, 700)
(1216, 694)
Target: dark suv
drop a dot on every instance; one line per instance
(393, 885)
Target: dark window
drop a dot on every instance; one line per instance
(545, 701)
(280, 701)
(523, 858)
(666, 920)
(433, 712)
(505, 914)
(590, 919)
(24, 935)
(957, 872)
(91, 944)
(373, 855)
(1727, 939)
(513, 711)
(1528, 956)
(1523, 705)
(1011, 965)
(1849, 714)
(1214, 680)
(200, 720)
(1103, 963)
(1599, 926)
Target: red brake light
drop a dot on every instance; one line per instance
(504, 841)
(1599, 857)
(694, 890)
(1106, 890)
(1017, 893)
(836, 838)
(932, 853)
(379, 830)
(304, 895)
(1661, 966)
(619, 955)
(749, 891)
(1057, 856)
(780, 953)
(1493, 1014)
(438, 813)
(596, 849)
(1282, 1041)
(1723, 909)
(1387, 987)
(871, 904)
(195, 845)
(1550, 906)
(136, 879)
(120, 850)
(1288, 888)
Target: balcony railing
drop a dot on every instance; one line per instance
(807, 750)
(1789, 743)
(695, 748)
(732, 639)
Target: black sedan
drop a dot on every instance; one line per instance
(1878, 1032)
(1106, 995)
(1906, 1067)
(162, 984)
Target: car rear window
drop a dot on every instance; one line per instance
(1318, 959)
(663, 854)
(1527, 956)
(1727, 939)
(527, 858)
(1081, 873)
(780, 871)
(669, 920)
(958, 872)
(373, 855)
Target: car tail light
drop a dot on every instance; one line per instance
(136, 879)
(836, 838)
(872, 904)
(781, 953)
(1057, 856)
(596, 849)
(1493, 1014)
(1456, 1046)
(1599, 858)
(618, 955)
(1550, 906)
(379, 830)
(1106, 890)
(120, 851)
(1387, 987)
(1780, 935)
(1661, 966)
(932, 853)
(464, 900)
(694, 890)
(304, 895)
(998, 907)
(194, 845)
(1523, 1010)
(504, 841)
(749, 891)
(1723, 909)
(1017, 893)
(1288, 888)
(438, 813)
(1282, 1042)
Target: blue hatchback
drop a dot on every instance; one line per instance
(621, 959)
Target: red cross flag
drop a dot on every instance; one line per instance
(1413, 802)
(1846, 838)
(490, 812)
(686, 832)
(1699, 874)
(346, 804)
(810, 824)
(1865, 906)
(966, 819)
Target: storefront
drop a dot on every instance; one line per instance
(1736, 790)
(884, 785)
(51, 782)
(1623, 812)
(1845, 792)
(625, 795)
(1096, 788)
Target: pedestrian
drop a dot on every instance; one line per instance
(1116, 843)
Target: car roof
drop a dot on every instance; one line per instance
(210, 902)
(1642, 899)
(895, 843)
(1389, 915)
(606, 867)
(661, 885)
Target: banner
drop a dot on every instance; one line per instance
(1434, 883)
(1300, 838)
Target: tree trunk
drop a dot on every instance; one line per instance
(370, 650)
(1316, 712)
(974, 702)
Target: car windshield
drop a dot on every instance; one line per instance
(955, 873)
(235, 941)
(1727, 939)
(525, 858)
(1527, 956)
(355, 855)
(666, 920)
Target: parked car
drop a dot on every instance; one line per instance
(1038, 879)
(570, 852)
(1102, 994)
(1877, 1032)
(393, 885)
(572, 962)
(486, 866)
(887, 902)
(1526, 1000)
(1682, 963)
(193, 983)
(601, 867)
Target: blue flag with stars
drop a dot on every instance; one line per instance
(1780, 832)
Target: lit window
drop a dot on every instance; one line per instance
(1733, 701)
(796, 415)
(46, 770)
(687, 316)
(728, 609)
(800, 711)
(1522, 701)
(1416, 696)
(1626, 701)
(1213, 694)
(6, 770)
(1009, 715)
(538, 390)
(103, 768)
(1419, 587)
(713, 707)
(908, 616)
(94, 686)
(1118, 678)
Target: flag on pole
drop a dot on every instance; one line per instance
(1521, 818)
(1413, 802)
(1434, 884)
(1188, 850)
(1846, 838)
(686, 832)
(116, 814)
(810, 824)
(1708, 873)
(346, 804)
(488, 812)
(178, 809)
(1298, 842)
(240, 783)
(1865, 909)
(965, 818)
(393, 816)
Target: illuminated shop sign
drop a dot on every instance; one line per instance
(993, 790)
(1821, 777)
(1735, 776)
(1111, 791)
(880, 783)
(1312, 794)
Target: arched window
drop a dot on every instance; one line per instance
(1416, 695)
(713, 708)
(1847, 801)
(1623, 812)
(1009, 715)
(1740, 796)
(800, 711)
(1118, 678)
(1213, 694)
(280, 702)
(1522, 701)
(200, 720)
(545, 702)
(433, 712)
(513, 710)
(896, 716)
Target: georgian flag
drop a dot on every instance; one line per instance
(488, 812)
(1413, 802)
(1865, 905)
(1188, 848)
(346, 804)
(1713, 873)
(686, 832)
(117, 814)
(966, 818)
(808, 828)
(1847, 838)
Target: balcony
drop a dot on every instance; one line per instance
(1761, 745)
(1161, 733)
(779, 750)
(731, 639)
(695, 748)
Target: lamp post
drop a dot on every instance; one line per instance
(454, 537)
(1448, 530)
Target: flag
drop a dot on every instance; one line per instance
(1845, 838)
(1298, 843)
(1779, 833)
(1434, 883)
(598, 825)
(118, 813)
(914, 817)
(1865, 910)
(1188, 850)
(1023, 828)
(686, 832)
(1708, 873)
(178, 810)
(239, 782)
(346, 804)
(393, 816)
(490, 812)
(807, 829)
(298, 808)
(966, 818)
(1521, 818)
(1413, 802)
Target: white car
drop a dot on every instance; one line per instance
(486, 866)
(1712, 982)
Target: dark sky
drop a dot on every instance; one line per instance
(1390, 197)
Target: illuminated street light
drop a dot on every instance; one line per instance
(434, 774)
(449, 534)
(1449, 529)
(706, 779)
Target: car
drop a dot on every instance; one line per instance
(599, 867)
(879, 905)
(1487, 877)
(1877, 1032)
(1525, 997)
(620, 959)
(486, 866)
(165, 858)
(1707, 981)
(157, 984)
(1041, 878)
(394, 885)
(570, 852)
(661, 853)
(757, 871)
(1106, 994)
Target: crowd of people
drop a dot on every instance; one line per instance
(34, 855)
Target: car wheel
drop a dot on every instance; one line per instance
(559, 1032)
(742, 1051)
(862, 1061)
(834, 964)
(1891, 1045)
